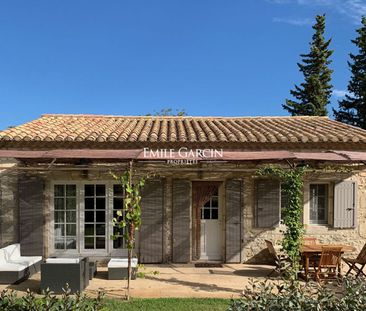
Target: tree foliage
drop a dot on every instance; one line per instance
(168, 112)
(295, 295)
(47, 301)
(313, 95)
(352, 109)
(292, 186)
(129, 216)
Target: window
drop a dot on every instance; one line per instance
(319, 204)
(65, 216)
(118, 205)
(211, 208)
(94, 216)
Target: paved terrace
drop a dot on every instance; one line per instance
(172, 281)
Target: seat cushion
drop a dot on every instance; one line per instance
(62, 260)
(12, 267)
(12, 251)
(121, 263)
(26, 260)
(2, 257)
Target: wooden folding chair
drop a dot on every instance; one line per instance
(329, 262)
(359, 260)
(281, 261)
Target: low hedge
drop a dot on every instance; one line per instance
(9, 301)
(348, 295)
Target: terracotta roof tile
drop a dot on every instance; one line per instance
(96, 128)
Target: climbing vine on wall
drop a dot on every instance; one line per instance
(292, 187)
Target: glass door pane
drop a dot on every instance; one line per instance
(95, 217)
(318, 203)
(64, 217)
(210, 209)
(118, 195)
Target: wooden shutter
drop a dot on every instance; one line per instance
(267, 203)
(233, 222)
(151, 234)
(31, 202)
(345, 204)
(181, 220)
(9, 211)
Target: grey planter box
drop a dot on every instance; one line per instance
(118, 269)
(56, 272)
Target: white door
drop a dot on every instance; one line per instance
(211, 230)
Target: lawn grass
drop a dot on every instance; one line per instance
(168, 304)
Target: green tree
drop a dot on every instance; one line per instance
(313, 95)
(168, 112)
(352, 109)
(129, 215)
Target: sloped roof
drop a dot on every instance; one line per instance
(102, 128)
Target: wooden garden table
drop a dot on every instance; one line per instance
(308, 251)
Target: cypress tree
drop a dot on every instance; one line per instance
(313, 95)
(352, 109)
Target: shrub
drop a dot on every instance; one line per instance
(294, 295)
(9, 301)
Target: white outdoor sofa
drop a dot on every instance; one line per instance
(14, 267)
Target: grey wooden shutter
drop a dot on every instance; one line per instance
(233, 197)
(181, 220)
(267, 203)
(345, 204)
(152, 213)
(31, 202)
(9, 209)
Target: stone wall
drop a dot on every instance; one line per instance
(9, 212)
(254, 239)
(253, 249)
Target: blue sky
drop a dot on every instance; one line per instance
(132, 57)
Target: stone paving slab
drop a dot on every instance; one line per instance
(185, 281)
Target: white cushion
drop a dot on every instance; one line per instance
(33, 259)
(12, 251)
(63, 260)
(122, 263)
(12, 267)
(10, 259)
(2, 257)
(26, 260)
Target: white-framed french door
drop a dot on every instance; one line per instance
(86, 223)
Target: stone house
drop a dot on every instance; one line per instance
(205, 202)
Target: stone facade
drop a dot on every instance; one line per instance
(253, 245)
(254, 239)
